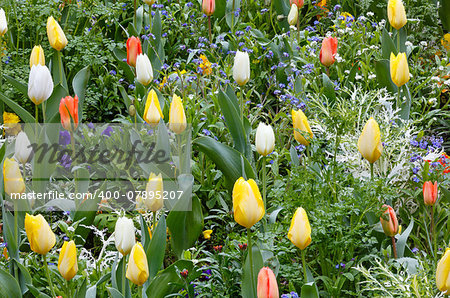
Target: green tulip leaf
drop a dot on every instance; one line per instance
(383, 71)
(247, 290)
(405, 107)
(57, 69)
(10, 287)
(79, 84)
(402, 239)
(328, 89)
(52, 104)
(21, 87)
(310, 290)
(157, 248)
(21, 112)
(35, 292)
(387, 46)
(444, 14)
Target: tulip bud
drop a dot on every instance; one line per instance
(267, 284)
(154, 192)
(3, 23)
(300, 230)
(149, 2)
(389, 221)
(208, 7)
(124, 235)
(298, 3)
(67, 262)
(293, 15)
(328, 51)
(134, 48)
(241, 68)
(430, 193)
(247, 203)
(300, 123)
(443, 273)
(132, 110)
(369, 143)
(12, 178)
(39, 234)
(152, 111)
(68, 110)
(265, 139)
(144, 71)
(37, 56)
(55, 34)
(40, 84)
(22, 149)
(399, 69)
(396, 14)
(177, 118)
(137, 268)
(207, 234)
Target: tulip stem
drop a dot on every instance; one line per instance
(304, 265)
(209, 29)
(394, 247)
(140, 291)
(43, 111)
(242, 105)
(154, 223)
(432, 227)
(250, 255)
(47, 271)
(371, 171)
(37, 117)
(134, 17)
(124, 263)
(150, 18)
(232, 18)
(398, 42)
(69, 294)
(264, 180)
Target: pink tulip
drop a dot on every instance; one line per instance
(299, 3)
(208, 7)
(430, 193)
(328, 51)
(267, 284)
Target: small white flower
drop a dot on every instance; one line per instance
(358, 77)
(370, 14)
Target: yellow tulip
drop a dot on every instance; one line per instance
(399, 69)
(207, 234)
(137, 269)
(396, 14)
(37, 56)
(247, 203)
(300, 230)
(12, 178)
(154, 196)
(177, 118)
(39, 233)
(445, 41)
(301, 123)
(369, 143)
(55, 34)
(442, 273)
(152, 112)
(67, 262)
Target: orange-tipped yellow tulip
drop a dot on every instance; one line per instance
(177, 117)
(399, 69)
(55, 34)
(37, 56)
(67, 262)
(369, 143)
(247, 203)
(300, 230)
(389, 221)
(152, 112)
(12, 178)
(396, 14)
(300, 122)
(39, 233)
(154, 197)
(443, 273)
(137, 268)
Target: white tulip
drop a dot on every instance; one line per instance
(22, 148)
(144, 71)
(241, 68)
(293, 15)
(40, 84)
(124, 235)
(3, 23)
(265, 139)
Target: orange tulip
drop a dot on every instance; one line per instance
(208, 7)
(134, 48)
(389, 221)
(68, 110)
(328, 51)
(430, 193)
(267, 284)
(299, 3)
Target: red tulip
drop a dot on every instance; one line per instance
(134, 48)
(267, 284)
(430, 193)
(68, 110)
(208, 7)
(299, 3)
(389, 221)
(328, 51)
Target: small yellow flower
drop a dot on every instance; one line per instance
(205, 65)
(11, 121)
(207, 234)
